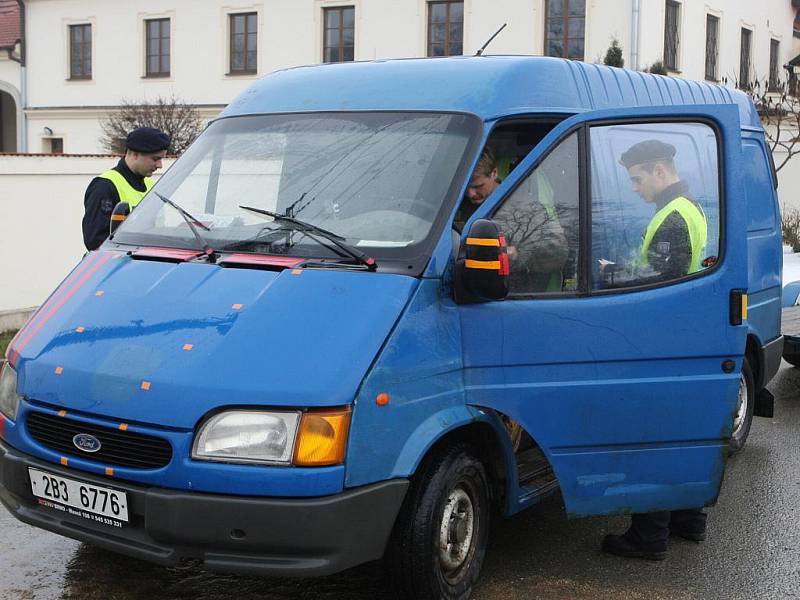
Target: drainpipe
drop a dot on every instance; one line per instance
(635, 14)
(23, 78)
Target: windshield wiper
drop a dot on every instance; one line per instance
(192, 222)
(314, 230)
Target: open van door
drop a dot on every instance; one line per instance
(625, 375)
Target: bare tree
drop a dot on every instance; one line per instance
(779, 108)
(790, 226)
(180, 121)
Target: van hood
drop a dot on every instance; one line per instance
(165, 343)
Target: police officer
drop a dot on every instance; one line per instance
(127, 182)
(675, 238)
(671, 247)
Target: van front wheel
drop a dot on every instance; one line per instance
(439, 540)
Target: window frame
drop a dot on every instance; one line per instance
(744, 70)
(714, 75)
(673, 66)
(247, 69)
(773, 79)
(565, 35)
(161, 73)
(584, 273)
(447, 23)
(341, 28)
(86, 51)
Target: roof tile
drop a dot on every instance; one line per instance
(9, 23)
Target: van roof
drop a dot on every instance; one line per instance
(488, 86)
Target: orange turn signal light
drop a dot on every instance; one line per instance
(322, 438)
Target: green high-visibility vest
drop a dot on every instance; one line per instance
(545, 195)
(127, 193)
(695, 220)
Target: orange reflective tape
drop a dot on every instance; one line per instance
(59, 370)
(145, 385)
(483, 242)
(62, 413)
(64, 461)
(123, 427)
(109, 471)
(117, 217)
(482, 264)
(297, 271)
(188, 346)
(236, 306)
(80, 329)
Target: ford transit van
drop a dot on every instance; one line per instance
(292, 358)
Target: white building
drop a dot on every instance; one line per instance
(84, 56)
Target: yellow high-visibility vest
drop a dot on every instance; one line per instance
(695, 223)
(127, 193)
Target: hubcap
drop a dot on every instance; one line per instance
(456, 530)
(741, 405)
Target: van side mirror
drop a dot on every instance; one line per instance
(118, 215)
(482, 267)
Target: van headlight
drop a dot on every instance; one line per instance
(9, 399)
(247, 436)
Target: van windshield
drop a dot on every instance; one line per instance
(378, 180)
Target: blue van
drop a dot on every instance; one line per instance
(292, 358)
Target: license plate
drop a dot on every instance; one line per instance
(88, 500)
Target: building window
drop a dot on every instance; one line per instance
(445, 28)
(53, 145)
(157, 47)
(244, 43)
(744, 59)
(774, 79)
(565, 28)
(671, 39)
(712, 47)
(339, 35)
(80, 51)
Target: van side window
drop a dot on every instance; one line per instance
(540, 221)
(760, 193)
(655, 202)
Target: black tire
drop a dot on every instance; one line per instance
(452, 482)
(743, 417)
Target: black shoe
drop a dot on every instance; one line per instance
(623, 545)
(693, 534)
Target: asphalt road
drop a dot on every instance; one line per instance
(753, 549)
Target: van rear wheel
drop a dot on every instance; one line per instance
(743, 418)
(439, 541)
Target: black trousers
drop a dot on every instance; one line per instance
(655, 526)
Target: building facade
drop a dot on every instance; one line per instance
(85, 56)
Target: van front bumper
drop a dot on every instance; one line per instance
(233, 534)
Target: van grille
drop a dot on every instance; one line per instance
(120, 448)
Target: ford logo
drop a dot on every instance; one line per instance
(86, 442)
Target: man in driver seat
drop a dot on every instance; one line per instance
(537, 244)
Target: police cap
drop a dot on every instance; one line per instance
(647, 151)
(147, 139)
